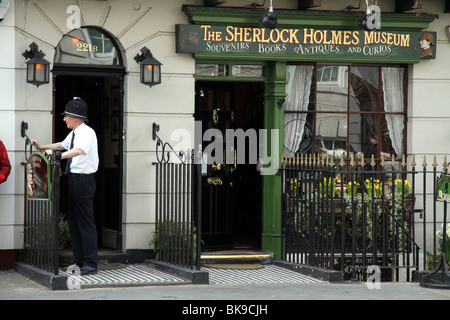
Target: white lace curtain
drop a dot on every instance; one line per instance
(394, 102)
(298, 90)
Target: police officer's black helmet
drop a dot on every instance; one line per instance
(76, 108)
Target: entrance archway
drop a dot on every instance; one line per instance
(88, 64)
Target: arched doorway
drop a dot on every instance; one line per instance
(88, 64)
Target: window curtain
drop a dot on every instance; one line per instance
(298, 90)
(394, 102)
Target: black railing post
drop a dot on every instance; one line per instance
(55, 162)
(197, 194)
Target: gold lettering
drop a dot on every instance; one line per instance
(247, 34)
(325, 38)
(205, 32)
(355, 38)
(284, 40)
(336, 37)
(347, 35)
(293, 36)
(230, 33)
(307, 36)
(257, 35)
(405, 38)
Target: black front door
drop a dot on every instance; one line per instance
(231, 192)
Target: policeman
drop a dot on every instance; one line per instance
(81, 152)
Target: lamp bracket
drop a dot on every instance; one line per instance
(145, 53)
(34, 52)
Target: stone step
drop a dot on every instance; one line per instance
(236, 257)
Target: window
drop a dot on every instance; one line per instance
(87, 46)
(343, 109)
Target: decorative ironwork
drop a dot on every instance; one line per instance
(165, 157)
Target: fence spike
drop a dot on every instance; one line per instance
(403, 161)
(413, 162)
(342, 162)
(393, 160)
(372, 161)
(298, 159)
(352, 160)
(424, 163)
(314, 159)
(382, 160)
(445, 164)
(434, 161)
(301, 159)
(363, 163)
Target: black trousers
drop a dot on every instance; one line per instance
(83, 232)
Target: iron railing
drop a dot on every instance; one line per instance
(177, 235)
(349, 215)
(41, 216)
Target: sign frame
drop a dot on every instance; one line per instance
(306, 44)
(38, 177)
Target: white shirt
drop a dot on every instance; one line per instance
(86, 140)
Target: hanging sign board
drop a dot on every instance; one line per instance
(38, 177)
(4, 6)
(443, 188)
(308, 43)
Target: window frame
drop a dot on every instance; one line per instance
(379, 111)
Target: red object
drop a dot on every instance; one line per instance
(5, 166)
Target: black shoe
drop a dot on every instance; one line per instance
(85, 270)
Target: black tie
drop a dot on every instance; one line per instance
(69, 161)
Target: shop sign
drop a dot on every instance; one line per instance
(306, 43)
(38, 177)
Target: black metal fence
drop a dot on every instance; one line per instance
(177, 235)
(41, 217)
(349, 215)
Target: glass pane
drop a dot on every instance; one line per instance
(247, 71)
(363, 135)
(364, 91)
(87, 46)
(332, 88)
(331, 132)
(211, 70)
(298, 133)
(392, 135)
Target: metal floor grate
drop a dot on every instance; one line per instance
(144, 275)
(130, 275)
(267, 274)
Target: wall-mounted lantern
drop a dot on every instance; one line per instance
(150, 67)
(269, 19)
(38, 69)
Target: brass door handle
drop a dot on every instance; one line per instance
(216, 166)
(232, 169)
(215, 181)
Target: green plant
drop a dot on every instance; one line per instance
(175, 235)
(374, 187)
(64, 234)
(328, 186)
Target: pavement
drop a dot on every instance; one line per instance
(14, 286)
